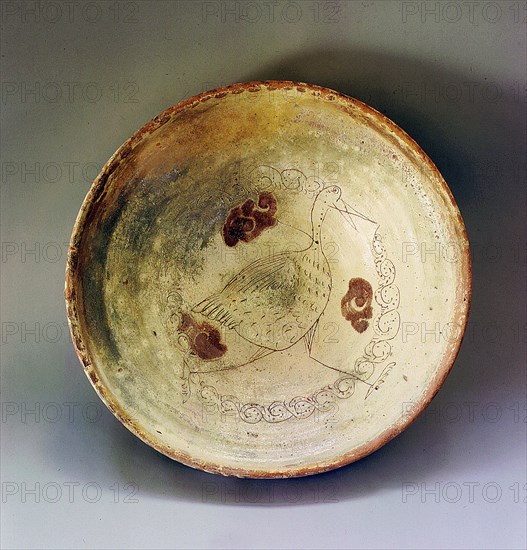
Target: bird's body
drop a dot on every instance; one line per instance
(274, 301)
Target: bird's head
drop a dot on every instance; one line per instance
(331, 197)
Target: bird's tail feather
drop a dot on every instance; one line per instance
(213, 309)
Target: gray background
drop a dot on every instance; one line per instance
(77, 80)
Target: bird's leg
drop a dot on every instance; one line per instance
(310, 336)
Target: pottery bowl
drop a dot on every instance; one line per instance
(268, 280)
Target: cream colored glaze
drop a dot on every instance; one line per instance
(148, 247)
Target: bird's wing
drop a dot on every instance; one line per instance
(258, 274)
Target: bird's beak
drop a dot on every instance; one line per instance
(346, 211)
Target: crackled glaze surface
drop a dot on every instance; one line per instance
(246, 280)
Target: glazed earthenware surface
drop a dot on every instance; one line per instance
(245, 271)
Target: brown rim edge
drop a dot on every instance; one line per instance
(83, 353)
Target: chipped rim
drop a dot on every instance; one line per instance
(96, 193)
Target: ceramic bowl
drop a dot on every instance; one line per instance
(268, 280)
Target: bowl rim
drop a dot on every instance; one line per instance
(95, 193)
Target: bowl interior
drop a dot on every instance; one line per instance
(268, 280)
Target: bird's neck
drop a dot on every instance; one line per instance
(318, 214)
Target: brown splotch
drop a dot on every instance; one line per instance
(246, 221)
(356, 304)
(204, 339)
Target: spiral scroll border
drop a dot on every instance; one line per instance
(388, 321)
